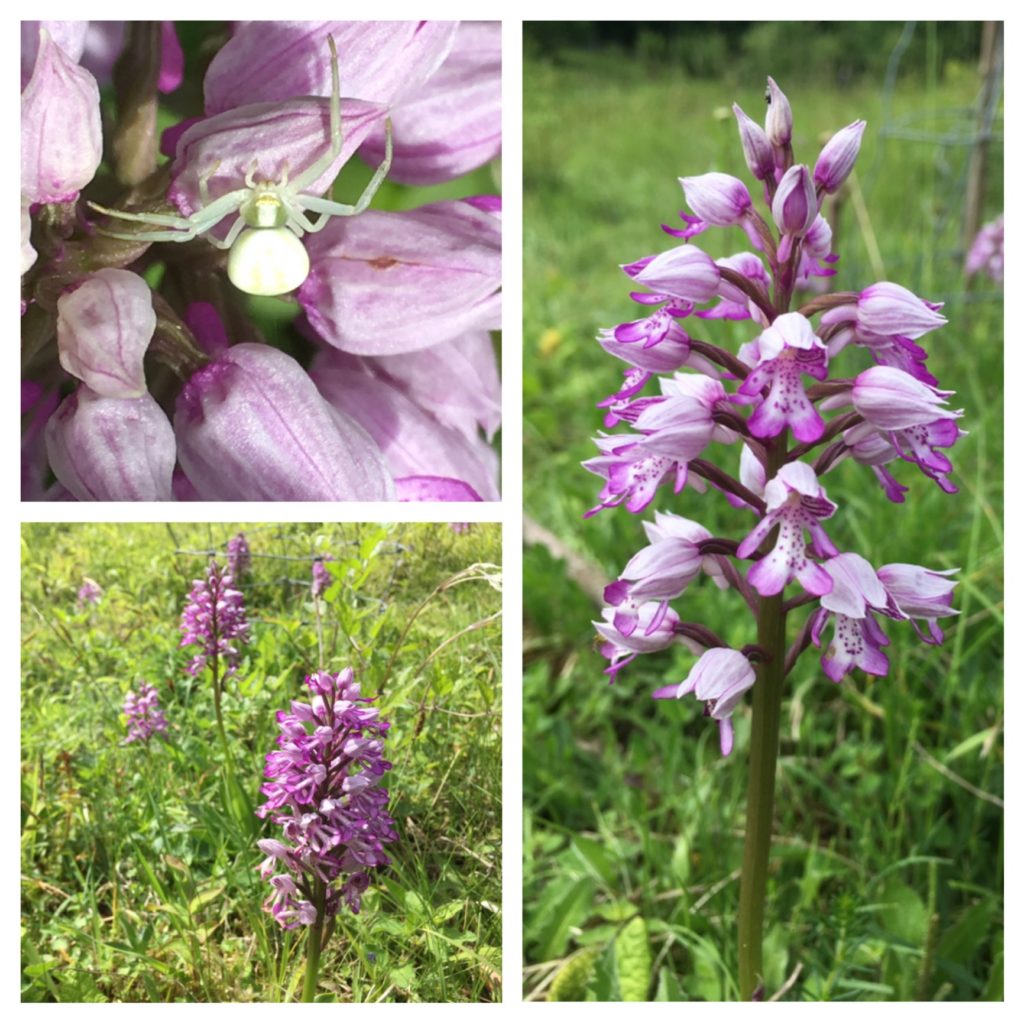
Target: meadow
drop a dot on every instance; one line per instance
(887, 858)
(139, 861)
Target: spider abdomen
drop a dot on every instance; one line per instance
(267, 261)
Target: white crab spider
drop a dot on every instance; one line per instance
(266, 256)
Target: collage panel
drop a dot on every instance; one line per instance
(763, 565)
(261, 762)
(261, 261)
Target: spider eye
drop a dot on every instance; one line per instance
(267, 261)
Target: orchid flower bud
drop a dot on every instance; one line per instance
(251, 426)
(104, 327)
(269, 141)
(838, 156)
(68, 35)
(452, 123)
(61, 137)
(456, 381)
(270, 61)
(891, 399)
(718, 199)
(412, 442)
(778, 122)
(795, 206)
(885, 310)
(757, 149)
(111, 449)
(384, 283)
(685, 272)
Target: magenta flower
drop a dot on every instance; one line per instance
(890, 399)
(986, 252)
(104, 327)
(786, 350)
(838, 156)
(384, 283)
(921, 594)
(111, 449)
(61, 137)
(321, 576)
(653, 628)
(719, 679)
(379, 61)
(253, 162)
(252, 425)
(324, 790)
(89, 592)
(887, 309)
(452, 124)
(757, 147)
(758, 396)
(214, 619)
(239, 556)
(144, 714)
(778, 122)
(795, 208)
(685, 272)
(719, 200)
(795, 502)
(411, 441)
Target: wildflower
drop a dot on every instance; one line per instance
(252, 157)
(986, 253)
(103, 330)
(757, 147)
(795, 502)
(89, 592)
(144, 714)
(321, 577)
(886, 309)
(921, 594)
(856, 593)
(890, 399)
(653, 628)
(324, 790)
(686, 273)
(785, 350)
(795, 208)
(61, 137)
(111, 449)
(239, 556)
(252, 424)
(719, 200)
(719, 679)
(214, 619)
(836, 160)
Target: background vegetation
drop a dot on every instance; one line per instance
(886, 874)
(139, 865)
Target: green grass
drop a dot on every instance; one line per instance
(886, 871)
(139, 865)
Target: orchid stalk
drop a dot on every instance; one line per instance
(885, 409)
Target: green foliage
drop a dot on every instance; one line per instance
(886, 873)
(794, 50)
(139, 877)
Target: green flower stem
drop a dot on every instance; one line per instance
(314, 943)
(764, 754)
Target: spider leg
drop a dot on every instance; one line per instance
(204, 182)
(315, 169)
(229, 239)
(181, 229)
(328, 208)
